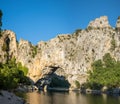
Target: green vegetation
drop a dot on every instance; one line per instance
(4, 47)
(78, 31)
(34, 51)
(12, 74)
(22, 68)
(77, 84)
(1, 21)
(1, 18)
(105, 72)
(118, 17)
(89, 27)
(113, 43)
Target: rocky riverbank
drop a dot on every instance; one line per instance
(10, 98)
(105, 91)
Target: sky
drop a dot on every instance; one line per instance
(42, 20)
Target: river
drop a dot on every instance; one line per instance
(69, 98)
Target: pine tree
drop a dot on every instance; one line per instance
(0, 21)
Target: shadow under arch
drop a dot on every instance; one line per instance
(51, 79)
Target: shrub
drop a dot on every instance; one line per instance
(11, 75)
(89, 27)
(34, 51)
(77, 84)
(78, 31)
(22, 68)
(4, 47)
(113, 42)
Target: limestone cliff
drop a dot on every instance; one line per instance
(8, 46)
(73, 53)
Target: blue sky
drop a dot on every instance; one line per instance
(36, 20)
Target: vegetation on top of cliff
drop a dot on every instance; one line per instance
(12, 74)
(78, 31)
(105, 72)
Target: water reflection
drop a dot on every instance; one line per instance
(69, 98)
(33, 98)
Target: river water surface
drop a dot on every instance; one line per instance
(70, 98)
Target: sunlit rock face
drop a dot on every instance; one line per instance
(73, 53)
(8, 45)
(118, 22)
(101, 22)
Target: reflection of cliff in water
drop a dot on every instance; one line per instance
(54, 98)
(33, 98)
(69, 98)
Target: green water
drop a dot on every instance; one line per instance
(70, 98)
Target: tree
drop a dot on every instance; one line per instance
(12, 74)
(77, 84)
(108, 60)
(1, 19)
(97, 65)
(105, 72)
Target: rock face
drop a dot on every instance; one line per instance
(8, 46)
(73, 53)
(118, 22)
(101, 22)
